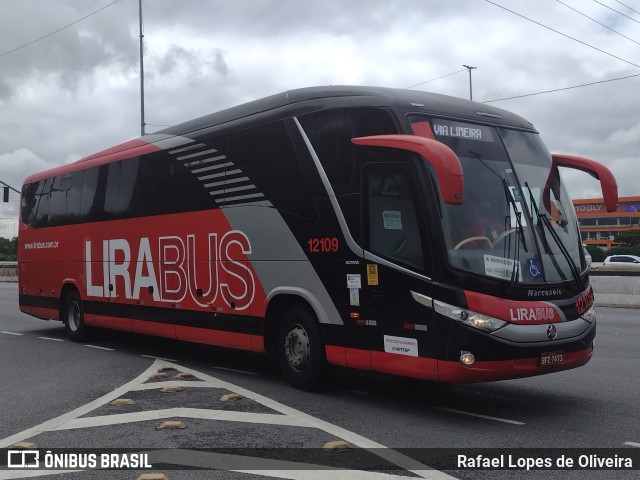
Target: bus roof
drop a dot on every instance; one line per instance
(304, 100)
(314, 98)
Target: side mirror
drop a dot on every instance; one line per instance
(598, 171)
(444, 161)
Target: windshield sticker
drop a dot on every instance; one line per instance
(500, 267)
(392, 220)
(466, 131)
(534, 267)
(517, 200)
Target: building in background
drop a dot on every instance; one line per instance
(599, 227)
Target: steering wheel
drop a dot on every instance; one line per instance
(502, 236)
(473, 239)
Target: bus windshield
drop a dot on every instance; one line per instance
(517, 222)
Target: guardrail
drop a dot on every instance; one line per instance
(598, 269)
(615, 286)
(8, 271)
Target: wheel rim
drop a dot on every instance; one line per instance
(297, 348)
(73, 316)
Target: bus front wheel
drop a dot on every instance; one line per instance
(300, 349)
(73, 317)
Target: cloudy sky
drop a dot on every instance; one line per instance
(77, 90)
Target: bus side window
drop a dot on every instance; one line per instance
(88, 189)
(330, 132)
(393, 223)
(336, 152)
(267, 158)
(121, 180)
(40, 216)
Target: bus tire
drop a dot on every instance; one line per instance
(300, 349)
(73, 317)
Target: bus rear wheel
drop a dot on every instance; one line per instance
(73, 317)
(300, 349)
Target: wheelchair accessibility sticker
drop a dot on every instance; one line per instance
(533, 265)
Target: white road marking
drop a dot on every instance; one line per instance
(246, 372)
(324, 473)
(487, 417)
(287, 416)
(182, 412)
(80, 411)
(353, 438)
(632, 444)
(158, 358)
(52, 339)
(13, 474)
(12, 333)
(100, 348)
(174, 383)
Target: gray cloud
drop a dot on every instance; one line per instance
(77, 91)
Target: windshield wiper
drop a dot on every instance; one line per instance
(517, 214)
(519, 230)
(543, 221)
(565, 253)
(539, 224)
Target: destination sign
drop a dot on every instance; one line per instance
(466, 131)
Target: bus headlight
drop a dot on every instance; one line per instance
(590, 315)
(480, 321)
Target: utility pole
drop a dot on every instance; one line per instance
(142, 124)
(469, 68)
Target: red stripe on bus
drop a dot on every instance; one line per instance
(422, 129)
(41, 312)
(357, 358)
(106, 321)
(336, 355)
(257, 343)
(514, 311)
(128, 149)
(455, 372)
(405, 365)
(242, 341)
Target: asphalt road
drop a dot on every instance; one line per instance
(56, 393)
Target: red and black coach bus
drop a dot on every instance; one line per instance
(387, 230)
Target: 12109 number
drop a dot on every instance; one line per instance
(323, 245)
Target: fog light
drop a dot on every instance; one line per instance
(467, 358)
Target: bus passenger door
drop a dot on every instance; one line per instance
(401, 332)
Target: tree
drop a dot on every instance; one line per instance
(597, 254)
(8, 249)
(629, 238)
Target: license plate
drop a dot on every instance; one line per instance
(551, 358)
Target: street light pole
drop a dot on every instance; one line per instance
(469, 68)
(142, 124)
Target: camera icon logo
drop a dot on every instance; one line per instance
(23, 459)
